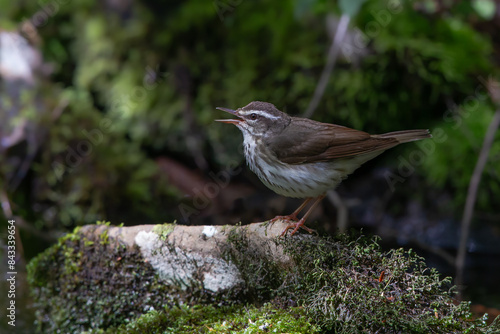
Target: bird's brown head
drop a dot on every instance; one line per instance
(260, 119)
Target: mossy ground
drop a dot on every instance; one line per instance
(348, 285)
(344, 284)
(221, 320)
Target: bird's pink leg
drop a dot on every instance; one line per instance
(302, 221)
(293, 216)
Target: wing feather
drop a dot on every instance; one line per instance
(305, 142)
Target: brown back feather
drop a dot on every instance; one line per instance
(306, 141)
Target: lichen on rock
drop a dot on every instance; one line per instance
(185, 268)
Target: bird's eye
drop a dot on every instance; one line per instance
(253, 116)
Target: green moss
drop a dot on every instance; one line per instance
(104, 238)
(256, 265)
(99, 284)
(103, 222)
(342, 285)
(228, 319)
(348, 285)
(163, 230)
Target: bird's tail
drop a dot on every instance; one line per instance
(407, 135)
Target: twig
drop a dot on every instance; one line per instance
(7, 211)
(333, 53)
(35, 139)
(471, 199)
(330, 63)
(342, 212)
(449, 258)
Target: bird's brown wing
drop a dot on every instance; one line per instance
(304, 142)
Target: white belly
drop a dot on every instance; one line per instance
(301, 180)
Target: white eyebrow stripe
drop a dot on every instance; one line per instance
(258, 112)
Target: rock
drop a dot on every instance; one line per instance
(127, 271)
(187, 256)
(161, 278)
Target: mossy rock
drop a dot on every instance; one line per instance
(82, 283)
(95, 282)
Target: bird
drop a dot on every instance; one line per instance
(302, 158)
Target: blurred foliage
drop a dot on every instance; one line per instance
(464, 131)
(147, 76)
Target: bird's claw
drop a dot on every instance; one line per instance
(296, 226)
(293, 223)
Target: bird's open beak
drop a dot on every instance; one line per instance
(230, 121)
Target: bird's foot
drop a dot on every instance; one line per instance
(296, 225)
(287, 218)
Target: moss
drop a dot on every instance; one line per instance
(103, 222)
(257, 267)
(347, 284)
(164, 230)
(344, 284)
(83, 293)
(104, 238)
(227, 319)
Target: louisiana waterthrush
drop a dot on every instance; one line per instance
(302, 158)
